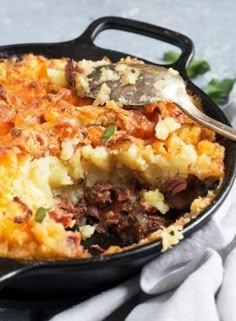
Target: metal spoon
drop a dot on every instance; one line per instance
(140, 84)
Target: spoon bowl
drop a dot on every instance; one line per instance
(138, 84)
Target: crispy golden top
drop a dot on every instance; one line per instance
(38, 111)
(46, 130)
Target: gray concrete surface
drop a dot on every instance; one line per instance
(211, 24)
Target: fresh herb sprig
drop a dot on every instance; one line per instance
(219, 90)
(40, 214)
(109, 131)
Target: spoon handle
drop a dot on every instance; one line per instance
(194, 113)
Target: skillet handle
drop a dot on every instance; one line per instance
(146, 29)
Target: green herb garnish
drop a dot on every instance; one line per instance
(196, 67)
(219, 90)
(109, 131)
(170, 56)
(40, 214)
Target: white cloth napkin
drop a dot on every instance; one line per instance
(194, 281)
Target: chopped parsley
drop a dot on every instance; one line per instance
(197, 67)
(219, 89)
(40, 214)
(170, 57)
(109, 131)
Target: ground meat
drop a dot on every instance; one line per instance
(98, 248)
(67, 206)
(125, 193)
(93, 212)
(74, 240)
(114, 210)
(99, 195)
(82, 207)
(155, 222)
(174, 185)
(111, 218)
(129, 229)
(179, 193)
(62, 217)
(118, 211)
(130, 219)
(80, 213)
(139, 223)
(67, 213)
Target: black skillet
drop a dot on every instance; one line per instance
(40, 281)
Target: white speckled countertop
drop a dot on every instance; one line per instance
(211, 24)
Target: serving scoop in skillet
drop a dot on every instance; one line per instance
(140, 84)
(42, 282)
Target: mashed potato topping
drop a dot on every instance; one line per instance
(62, 181)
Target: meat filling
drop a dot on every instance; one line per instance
(120, 211)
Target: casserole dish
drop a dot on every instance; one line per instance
(68, 278)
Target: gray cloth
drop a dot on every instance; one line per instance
(194, 281)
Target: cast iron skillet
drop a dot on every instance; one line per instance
(52, 280)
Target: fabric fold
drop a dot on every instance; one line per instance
(181, 284)
(193, 300)
(227, 295)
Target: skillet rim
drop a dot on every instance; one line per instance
(85, 42)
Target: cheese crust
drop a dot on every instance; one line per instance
(52, 149)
